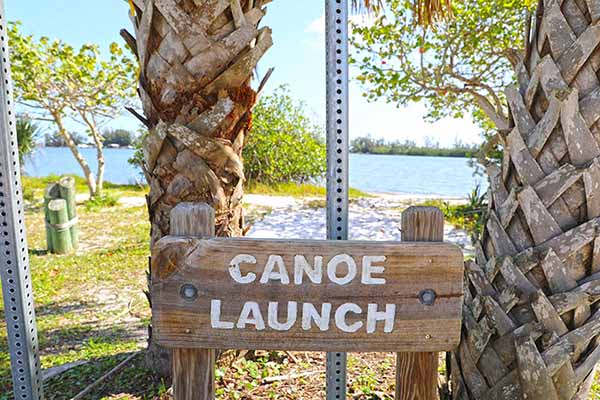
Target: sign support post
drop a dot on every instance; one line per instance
(336, 28)
(14, 260)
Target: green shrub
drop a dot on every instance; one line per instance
(27, 134)
(98, 202)
(469, 216)
(284, 145)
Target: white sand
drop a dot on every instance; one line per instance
(369, 219)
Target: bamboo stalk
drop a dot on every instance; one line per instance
(67, 192)
(61, 236)
(50, 194)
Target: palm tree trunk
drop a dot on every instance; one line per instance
(531, 319)
(196, 62)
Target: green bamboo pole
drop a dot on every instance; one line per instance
(51, 193)
(67, 192)
(61, 237)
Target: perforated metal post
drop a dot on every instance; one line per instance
(336, 17)
(14, 260)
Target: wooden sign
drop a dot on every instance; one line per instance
(306, 295)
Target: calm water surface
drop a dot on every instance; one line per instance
(372, 173)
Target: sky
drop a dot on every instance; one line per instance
(298, 55)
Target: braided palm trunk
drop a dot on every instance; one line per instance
(531, 317)
(196, 61)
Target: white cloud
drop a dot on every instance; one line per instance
(317, 25)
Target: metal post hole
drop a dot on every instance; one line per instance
(14, 260)
(336, 27)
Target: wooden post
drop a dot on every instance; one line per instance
(67, 192)
(416, 373)
(193, 369)
(50, 194)
(61, 237)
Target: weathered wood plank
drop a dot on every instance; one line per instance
(416, 373)
(345, 275)
(193, 369)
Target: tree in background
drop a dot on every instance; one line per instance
(57, 83)
(121, 137)
(457, 67)
(368, 145)
(57, 140)
(283, 145)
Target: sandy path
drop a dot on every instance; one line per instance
(369, 219)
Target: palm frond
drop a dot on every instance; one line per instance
(430, 11)
(366, 5)
(426, 11)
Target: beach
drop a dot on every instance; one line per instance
(370, 218)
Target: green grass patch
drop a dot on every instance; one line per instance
(89, 305)
(296, 190)
(102, 201)
(33, 190)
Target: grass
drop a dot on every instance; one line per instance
(33, 187)
(90, 307)
(296, 190)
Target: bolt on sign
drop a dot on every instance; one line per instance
(306, 295)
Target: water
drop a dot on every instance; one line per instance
(60, 161)
(443, 176)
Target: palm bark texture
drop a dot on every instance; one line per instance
(196, 62)
(531, 317)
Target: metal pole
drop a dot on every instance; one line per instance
(14, 260)
(336, 27)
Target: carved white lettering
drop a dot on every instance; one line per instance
(292, 312)
(314, 272)
(236, 273)
(340, 317)
(310, 313)
(270, 274)
(368, 269)
(215, 316)
(332, 269)
(251, 315)
(373, 315)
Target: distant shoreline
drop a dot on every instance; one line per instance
(452, 155)
(106, 147)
